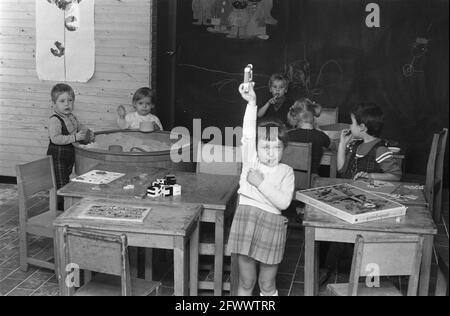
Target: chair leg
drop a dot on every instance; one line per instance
(441, 285)
(23, 253)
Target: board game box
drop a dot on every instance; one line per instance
(350, 203)
(115, 212)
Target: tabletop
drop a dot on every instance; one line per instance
(417, 219)
(212, 191)
(163, 219)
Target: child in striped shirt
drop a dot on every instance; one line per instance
(367, 157)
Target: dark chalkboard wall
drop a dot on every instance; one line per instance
(348, 61)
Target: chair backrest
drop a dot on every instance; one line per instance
(299, 157)
(34, 177)
(328, 116)
(390, 256)
(99, 252)
(218, 159)
(435, 171)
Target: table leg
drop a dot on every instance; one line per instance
(333, 166)
(180, 267)
(310, 262)
(68, 202)
(425, 268)
(218, 257)
(193, 264)
(64, 290)
(148, 264)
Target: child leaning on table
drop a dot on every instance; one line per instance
(258, 231)
(143, 103)
(64, 129)
(366, 156)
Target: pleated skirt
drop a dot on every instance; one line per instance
(258, 234)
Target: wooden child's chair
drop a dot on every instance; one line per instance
(328, 116)
(36, 219)
(230, 165)
(393, 257)
(299, 157)
(434, 176)
(106, 254)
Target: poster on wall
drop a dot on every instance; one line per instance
(65, 42)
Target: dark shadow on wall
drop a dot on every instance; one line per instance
(348, 63)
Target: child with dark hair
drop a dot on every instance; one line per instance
(258, 232)
(64, 129)
(277, 106)
(143, 103)
(367, 157)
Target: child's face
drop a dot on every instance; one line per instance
(143, 106)
(64, 103)
(270, 152)
(355, 128)
(278, 88)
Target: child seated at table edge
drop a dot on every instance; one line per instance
(361, 153)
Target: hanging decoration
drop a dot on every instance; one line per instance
(240, 19)
(65, 44)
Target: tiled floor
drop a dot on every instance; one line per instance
(42, 282)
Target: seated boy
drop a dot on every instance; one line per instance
(366, 156)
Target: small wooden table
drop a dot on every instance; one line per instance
(167, 226)
(216, 193)
(319, 226)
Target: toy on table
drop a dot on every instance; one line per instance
(164, 187)
(248, 76)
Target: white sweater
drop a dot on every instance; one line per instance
(276, 191)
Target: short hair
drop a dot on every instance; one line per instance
(304, 110)
(371, 116)
(59, 89)
(268, 125)
(144, 92)
(279, 77)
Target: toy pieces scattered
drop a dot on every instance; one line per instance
(164, 190)
(168, 180)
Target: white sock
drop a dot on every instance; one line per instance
(274, 294)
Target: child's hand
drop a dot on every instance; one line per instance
(156, 127)
(255, 177)
(273, 100)
(361, 175)
(346, 135)
(81, 135)
(250, 95)
(121, 111)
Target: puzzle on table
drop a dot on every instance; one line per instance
(116, 212)
(350, 203)
(164, 187)
(98, 177)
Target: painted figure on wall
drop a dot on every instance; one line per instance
(221, 11)
(240, 19)
(202, 10)
(268, 6)
(256, 25)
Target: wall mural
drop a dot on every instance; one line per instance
(65, 43)
(241, 19)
